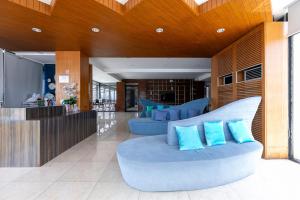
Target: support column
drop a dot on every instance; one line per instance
(75, 65)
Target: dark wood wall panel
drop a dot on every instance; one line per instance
(19, 143)
(185, 90)
(61, 133)
(35, 141)
(250, 49)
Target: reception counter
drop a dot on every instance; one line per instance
(30, 137)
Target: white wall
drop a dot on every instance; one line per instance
(294, 18)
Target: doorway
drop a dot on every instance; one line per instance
(132, 96)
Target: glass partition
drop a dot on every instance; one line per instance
(104, 96)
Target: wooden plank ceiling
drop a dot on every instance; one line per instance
(129, 30)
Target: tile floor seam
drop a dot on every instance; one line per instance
(43, 191)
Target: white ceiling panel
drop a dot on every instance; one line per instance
(153, 68)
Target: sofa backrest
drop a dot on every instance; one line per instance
(144, 103)
(242, 109)
(199, 104)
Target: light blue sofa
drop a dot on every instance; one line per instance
(146, 102)
(155, 163)
(148, 126)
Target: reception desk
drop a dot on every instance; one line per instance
(30, 137)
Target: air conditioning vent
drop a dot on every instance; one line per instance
(253, 73)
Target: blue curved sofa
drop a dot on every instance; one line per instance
(146, 102)
(155, 163)
(148, 126)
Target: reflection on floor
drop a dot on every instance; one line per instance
(90, 171)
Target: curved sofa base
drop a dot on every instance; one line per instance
(147, 126)
(149, 164)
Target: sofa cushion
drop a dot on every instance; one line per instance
(193, 112)
(188, 138)
(174, 114)
(214, 133)
(161, 115)
(160, 107)
(240, 132)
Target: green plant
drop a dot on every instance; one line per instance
(70, 101)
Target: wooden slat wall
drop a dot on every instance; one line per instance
(265, 45)
(250, 49)
(249, 89)
(225, 62)
(34, 5)
(225, 95)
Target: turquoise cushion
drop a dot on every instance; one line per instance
(160, 107)
(240, 132)
(188, 138)
(149, 108)
(214, 133)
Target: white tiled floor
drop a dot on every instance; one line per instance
(90, 170)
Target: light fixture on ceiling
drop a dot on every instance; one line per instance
(96, 30)
(220, 30)
(37, 30)
(159, 30)
(199, 2)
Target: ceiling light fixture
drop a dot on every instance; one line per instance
(199, 2)
(37, 30)
(96, 30)
(159, 30)
(221, 30)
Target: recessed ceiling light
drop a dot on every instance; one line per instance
(37, 30)
(96, 30)
(159, 30)
(221, 30)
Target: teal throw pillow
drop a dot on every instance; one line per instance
(188, 138)
(214, 133)
(240, 131)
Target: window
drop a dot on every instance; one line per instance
(251, 73)
(225, 80)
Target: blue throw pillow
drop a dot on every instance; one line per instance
(240, 132)
(214, 133)
(160, 107)
(174, 114)
(188, 138)
(161, 115)
(193, 113)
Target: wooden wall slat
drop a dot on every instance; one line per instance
(249, 89)
(225, 62)
(225, 95)
(250, 49)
